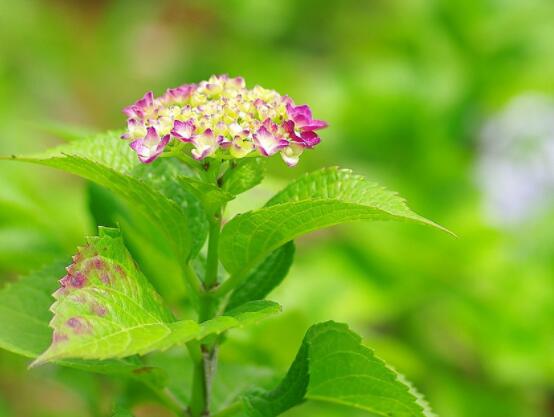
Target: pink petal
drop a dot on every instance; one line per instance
(314, 125)
(205, 145)
(150, 147)
(310, 139)
(183, 131)
(267, 143)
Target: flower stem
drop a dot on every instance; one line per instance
(204, 354)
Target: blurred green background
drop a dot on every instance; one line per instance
(447, 102)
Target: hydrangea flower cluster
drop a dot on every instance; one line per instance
(221, 118)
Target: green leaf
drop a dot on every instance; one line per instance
(106, 149)
(104, 207)
(24, 311)
(107, 161)
(24, 317)
(317, 200)
(243, 175)
(333, 366)
(106, 308)
(264, 278)
(174, 180)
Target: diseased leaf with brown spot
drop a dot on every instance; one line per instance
(106, 308)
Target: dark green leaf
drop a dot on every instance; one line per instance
(263, 279)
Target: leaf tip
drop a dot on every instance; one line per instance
(41, 360)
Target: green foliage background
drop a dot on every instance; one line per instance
(405, 86)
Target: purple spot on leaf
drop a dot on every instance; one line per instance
(98, 263)
(58, 337)
(99, 310)
(119, 270)
(79, 299)
(78, 280)
(78, 325)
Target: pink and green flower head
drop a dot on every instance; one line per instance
(221, 118)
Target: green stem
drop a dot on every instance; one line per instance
(212, 262)
(203, 354)
(199, 394)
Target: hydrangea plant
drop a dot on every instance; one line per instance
(168, 268)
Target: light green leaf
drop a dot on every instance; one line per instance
(333, 366)
(317, 200)
(264, 278)
(243, 175)
(106, 308)
(106, 149)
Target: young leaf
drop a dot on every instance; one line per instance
(106, 308)
(264, 278)
(317, 200)
(333, 366)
